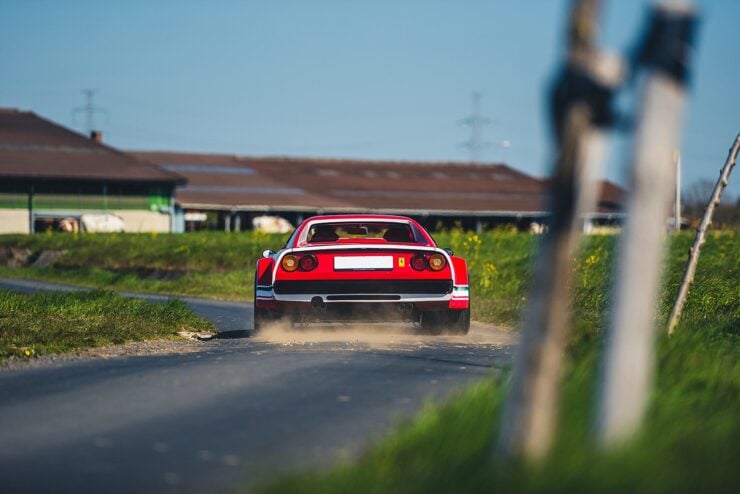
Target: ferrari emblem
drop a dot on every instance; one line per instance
(401, 262)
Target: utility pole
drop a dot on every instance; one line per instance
(90, 110)
(677, 205)
(476, 121)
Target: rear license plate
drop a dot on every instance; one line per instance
(344, 263)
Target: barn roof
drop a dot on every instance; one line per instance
(220, 180)
(33, 147)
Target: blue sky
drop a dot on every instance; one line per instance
(373, 79)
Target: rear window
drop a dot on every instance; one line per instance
(333, 232)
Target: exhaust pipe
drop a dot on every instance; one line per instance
(318, 304)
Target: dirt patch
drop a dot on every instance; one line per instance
(14, 257)
(136, 348)
(383, 335)
(47, 258)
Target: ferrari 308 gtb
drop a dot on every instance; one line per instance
(362, 267)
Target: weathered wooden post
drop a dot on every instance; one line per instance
(701, 232)
(581, 104)
(628, 361)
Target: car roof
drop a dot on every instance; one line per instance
(301, 232)
(355, 217)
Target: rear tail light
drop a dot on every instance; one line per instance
(437, 262)
(419, 262)
(308, 263)
(289, 262)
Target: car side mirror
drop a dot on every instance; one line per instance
(448, 250)
(268, 253)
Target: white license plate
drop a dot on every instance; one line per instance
(362, 262)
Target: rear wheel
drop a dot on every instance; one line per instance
(459, 321)
(261, 318)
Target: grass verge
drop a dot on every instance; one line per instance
(226, 285)
(207, 264)
(47, 323)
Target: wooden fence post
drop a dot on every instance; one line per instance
(628, 361)
(581, 104)
(688, 275)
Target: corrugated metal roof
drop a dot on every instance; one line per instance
(361, 185)
(33, 147)
(227, 181)
(357, 185)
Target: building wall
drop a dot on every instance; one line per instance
(13, 220)
(144, 207)
(144, 221)
(16, 220)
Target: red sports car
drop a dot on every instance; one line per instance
(362, 267)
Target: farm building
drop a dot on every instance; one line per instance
(228, 192)
(51, 175)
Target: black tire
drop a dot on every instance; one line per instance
(261, 318)
(458, 321)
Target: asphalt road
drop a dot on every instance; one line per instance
(233, 412)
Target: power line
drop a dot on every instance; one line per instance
(90, 110)
(475, 145)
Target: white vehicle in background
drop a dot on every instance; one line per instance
(101, 223)
(271, 224)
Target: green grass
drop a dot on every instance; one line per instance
(47, 323)
(690, 441)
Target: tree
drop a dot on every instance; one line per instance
(696, 196)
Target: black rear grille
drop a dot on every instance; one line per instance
(363, 286)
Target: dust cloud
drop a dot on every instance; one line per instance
(384, 335)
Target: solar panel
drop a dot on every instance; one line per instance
(437, 195)
(242, 190)
(225, 170)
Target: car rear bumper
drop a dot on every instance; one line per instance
(375, 287)
(306, 295)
